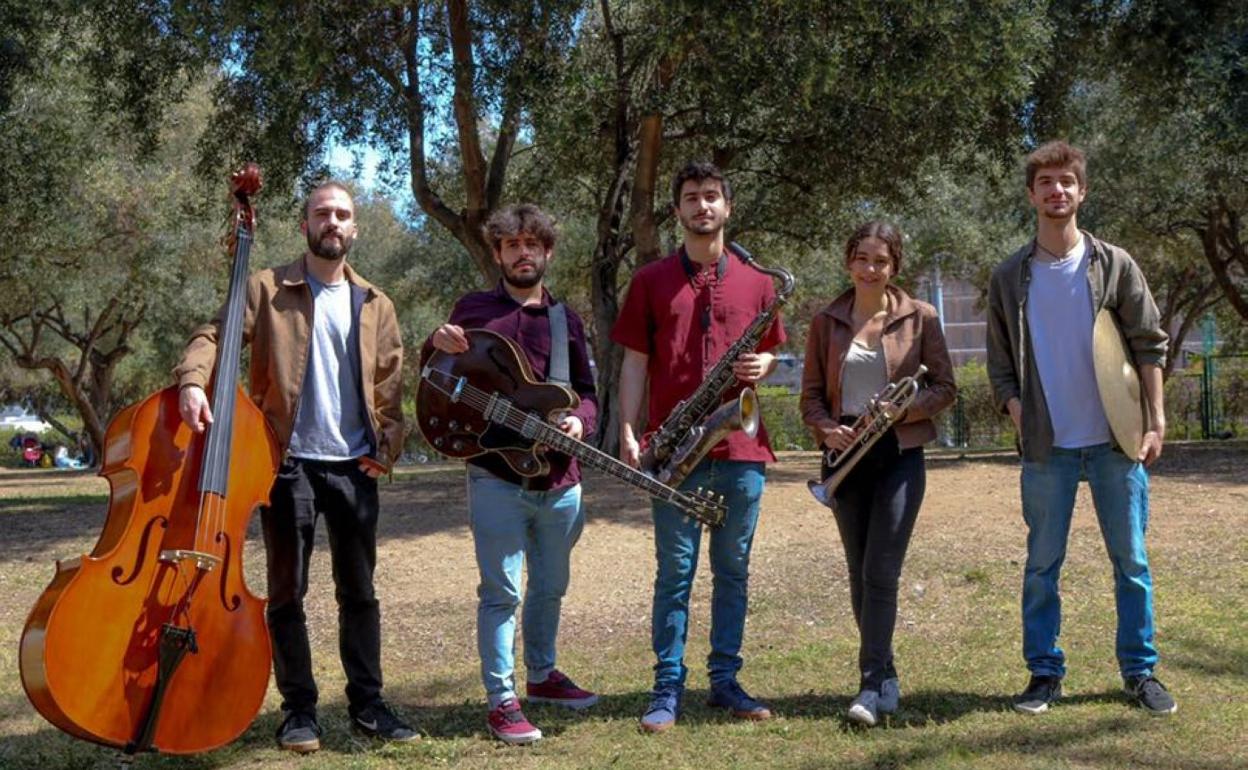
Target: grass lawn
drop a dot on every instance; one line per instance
(958, 638)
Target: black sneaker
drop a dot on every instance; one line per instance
(1040, 692)
(1150, 694)
(299, 732)
(376, 720)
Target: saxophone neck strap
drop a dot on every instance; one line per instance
(693, 269)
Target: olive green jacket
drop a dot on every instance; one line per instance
(1115, 281)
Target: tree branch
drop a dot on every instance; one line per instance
(465, 105)
(428, 199)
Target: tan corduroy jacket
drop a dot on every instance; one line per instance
(278, 326)
(912, 336)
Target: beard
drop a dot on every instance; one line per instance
(702, 226)
(325, 248)
(526, 281)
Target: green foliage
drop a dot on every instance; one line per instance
(783, 419)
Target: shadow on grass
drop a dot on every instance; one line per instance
(1034, 736)
(1057, 743)
(1200, 657)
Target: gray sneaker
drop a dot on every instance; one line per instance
(890, 696)
(299, 732)
(1150, 694)
(866, 708)
(1040, 693)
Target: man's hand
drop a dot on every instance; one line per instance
(572, 426)
(1150, 447)
(1015, 408)
(450, 338)
(630, 449)
(838, 439)
(752, 367)
(193, 406)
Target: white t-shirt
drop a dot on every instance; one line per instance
(1059, 317)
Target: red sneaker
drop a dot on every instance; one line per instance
(508, 724)
(561, 691)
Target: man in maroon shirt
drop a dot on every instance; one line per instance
(681, 315)
(516, 520)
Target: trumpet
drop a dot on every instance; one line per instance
(882, 412)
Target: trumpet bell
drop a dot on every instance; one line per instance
(819, 492)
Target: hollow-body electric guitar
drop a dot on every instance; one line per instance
(487, 399)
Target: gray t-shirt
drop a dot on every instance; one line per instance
(863, 375)
(1059, 317)
(329, 423)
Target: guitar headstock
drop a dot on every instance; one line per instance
(704, 505)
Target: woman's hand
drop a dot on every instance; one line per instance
(838, 439)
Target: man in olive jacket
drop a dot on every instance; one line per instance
(326, 371)
(1042, 304)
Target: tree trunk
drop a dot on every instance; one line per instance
(608, 253)
(1219, 233)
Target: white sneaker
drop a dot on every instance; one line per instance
(890, 696)
(865, 708)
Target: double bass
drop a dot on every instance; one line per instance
(153, 642)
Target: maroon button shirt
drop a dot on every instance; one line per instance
(529, 327)
(685, 317)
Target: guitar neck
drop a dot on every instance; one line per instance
(595, 458)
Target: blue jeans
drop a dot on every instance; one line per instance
(1120, 495)
(512, 527)
(677, 539)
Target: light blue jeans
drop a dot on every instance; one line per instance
(677, 539)
(1120, 494)
(512, 527)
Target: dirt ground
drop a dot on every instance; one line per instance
(970, 522)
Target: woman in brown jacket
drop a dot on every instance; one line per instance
(872, 335)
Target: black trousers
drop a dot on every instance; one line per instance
(875, 509)
(347, 498)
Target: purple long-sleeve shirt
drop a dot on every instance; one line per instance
(529, 327)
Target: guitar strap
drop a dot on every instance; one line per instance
(559, 372)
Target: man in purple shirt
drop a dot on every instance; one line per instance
(517, 520)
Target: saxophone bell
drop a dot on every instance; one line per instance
(743, 414)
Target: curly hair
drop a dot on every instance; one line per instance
(510, 221)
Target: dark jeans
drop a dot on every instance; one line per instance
(875, 508)
(347, 498)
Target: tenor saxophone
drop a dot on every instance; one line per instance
(882, 412)
(702, 420)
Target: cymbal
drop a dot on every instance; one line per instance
(1118, 384)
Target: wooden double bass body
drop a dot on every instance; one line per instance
(153, 640)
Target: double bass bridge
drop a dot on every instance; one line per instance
(203, 561)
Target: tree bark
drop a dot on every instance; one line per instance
(1220, 233)
(465, 225)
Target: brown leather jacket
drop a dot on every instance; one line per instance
(912, 336)
(277, 325)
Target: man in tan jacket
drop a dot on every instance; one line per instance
(326, 370)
